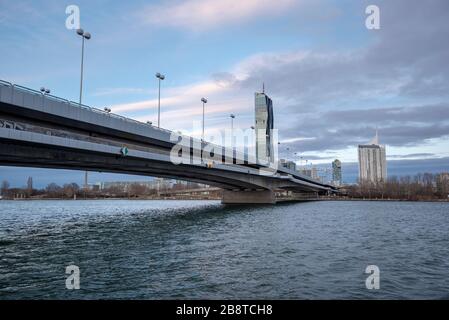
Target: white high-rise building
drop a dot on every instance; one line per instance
(372, 162)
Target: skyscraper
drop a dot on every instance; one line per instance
(264, 127)
(336, 172)
(372, 162)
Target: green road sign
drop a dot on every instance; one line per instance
(124, 151)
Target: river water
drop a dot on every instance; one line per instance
(201, 249)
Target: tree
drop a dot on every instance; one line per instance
(53, 190)
(136, 189)
(70, 189)
(443, 185)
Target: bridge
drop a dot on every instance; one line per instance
(45, 131)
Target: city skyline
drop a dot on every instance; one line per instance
(331, 86)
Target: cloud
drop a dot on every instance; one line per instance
(205, 14)
(337, 98)
(311, 157)
(397, 81)
(406, 57)
(412, 156)
(181, 106)
(101, 92)
(402, 126)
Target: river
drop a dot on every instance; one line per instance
(201, 249)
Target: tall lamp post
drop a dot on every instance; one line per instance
(160, 78)
(204, 101)
(253, 130)
(232, 129)
(85, 36)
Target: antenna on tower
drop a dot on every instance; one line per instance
(376, 138)
(263, 87)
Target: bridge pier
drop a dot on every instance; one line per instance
(248, 197)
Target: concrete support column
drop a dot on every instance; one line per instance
(248, 197)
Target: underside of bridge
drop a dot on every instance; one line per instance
(238, 188)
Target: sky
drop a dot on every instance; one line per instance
(332, 80)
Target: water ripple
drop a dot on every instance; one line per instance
(201, 249)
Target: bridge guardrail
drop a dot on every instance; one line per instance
(86, 107)
(75, 104)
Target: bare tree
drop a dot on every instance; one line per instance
(53, 190)
(136, 189)
(70, 189)
(425, 186)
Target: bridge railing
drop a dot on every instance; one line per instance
(76, 104)
(86, 107)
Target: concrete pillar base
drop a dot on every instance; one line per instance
(248, 197)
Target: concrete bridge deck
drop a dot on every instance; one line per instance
(39, 130)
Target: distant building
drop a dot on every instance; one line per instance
(264, 128)
(336, 172)
(311, 172)
(124, 186)
(288, 164)
(372, 162)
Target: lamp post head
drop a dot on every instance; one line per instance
(80, 32)
(203, 100)
(87, 35)
(150, 123)
(252, 127)
(47, 91)
(42, 89)
(108, 110)
(232, 115)
(160, 76)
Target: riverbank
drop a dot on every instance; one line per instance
(219, 198)
(385, 200)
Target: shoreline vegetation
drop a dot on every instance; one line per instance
(421, 187)
(218, 199)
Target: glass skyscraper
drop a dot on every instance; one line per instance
(264, 127)
(336, 172)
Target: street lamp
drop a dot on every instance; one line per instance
(204, 101)
(107, 110)
(160, 77)
(45, 91)
(87, 36)
(232, 128)
(232, 121)
(149, 123)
